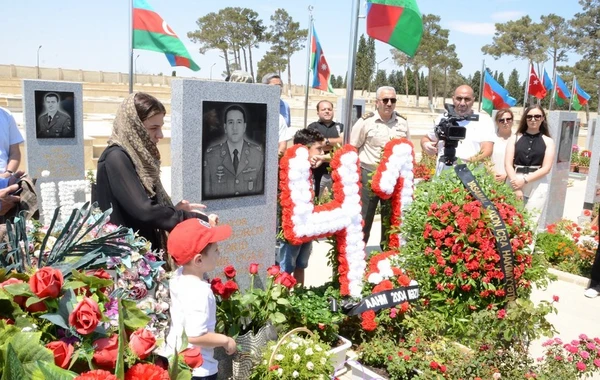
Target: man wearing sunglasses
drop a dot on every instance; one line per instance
(369, 135)
(479, 140)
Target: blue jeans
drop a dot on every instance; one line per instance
(294, 256)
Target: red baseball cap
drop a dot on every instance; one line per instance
(191, 236)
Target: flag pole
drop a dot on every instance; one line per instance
(130, 46)
(553, 91)
(308, 68)
(351, 71)
(527, 84)
(481, 84)
(572, 93)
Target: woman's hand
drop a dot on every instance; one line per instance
(500, 177)
(519, 194)
(517, 183)
(190, 207)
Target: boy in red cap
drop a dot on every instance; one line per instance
(193, 246)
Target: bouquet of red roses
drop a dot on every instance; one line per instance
(239, 312)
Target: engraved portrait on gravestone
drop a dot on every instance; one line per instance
(233, 140)
(54, 114)
(566, 141)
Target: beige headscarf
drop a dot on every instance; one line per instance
(129, 133)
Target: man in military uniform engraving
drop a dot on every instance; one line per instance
(234, 167)
(369, 135)
(54, 122)
(332, 131)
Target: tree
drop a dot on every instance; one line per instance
(271, 62)
(585, 32)
(211, 34)
(341, 82)
(522, 39)
(513, 86)
(475, 83)
(365, 63)
(402, 60)
(559, 42)
(449, 64)
(433, 44)
(380, 80)
(501, 80)
(287, 37)
(256, 33)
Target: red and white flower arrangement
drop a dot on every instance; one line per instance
(302, 221)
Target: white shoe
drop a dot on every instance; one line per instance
(591, 293)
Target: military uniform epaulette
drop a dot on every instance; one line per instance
(400, 115)
(213, 147)
(368, 115)
(253, 145)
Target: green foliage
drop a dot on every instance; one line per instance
(365, 63)
(555, 247)
(522, 39)
(286, 37)
(513, 86)
(476, 83)
(271, 62)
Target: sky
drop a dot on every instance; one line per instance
(76, 34)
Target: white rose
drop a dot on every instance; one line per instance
(310, 366)
(308, 351)
(279, 357)
(295, 374)
(280, 372)
(296, 358)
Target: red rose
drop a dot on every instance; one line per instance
(229, 288)
(273, 270)
(216, 285)
(143, 371)
(85, 316)
(36, 307)
(229, 271)
(142, 342)
(253, 268)
(46, 282)
(192, 357)
(286, 280)
(62, 353)
(100, 273)
(98, 374)
(106, 351)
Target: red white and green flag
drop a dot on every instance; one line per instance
(562, 92)
(395, 22)
(319, 66)
(580, 97)
(151, 32)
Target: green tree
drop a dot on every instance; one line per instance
(409, 81)
(433, 45)
(212, 35)
(286, 37)
(365, 63)
(449, 64)
(501, 80)
(585, 31)
(404, 61)
(334, 82)
(513, 86)
(559, 41)
(381, 80)
(522, 39)
(341, 81)
(475, 83)
(256, 33)
(271, 62)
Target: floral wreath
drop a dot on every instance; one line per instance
(394, 178)
(303, 222)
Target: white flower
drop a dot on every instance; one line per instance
(318, 348)
(295, 374)
(375, 278)
(310, 366)
(308, 351)
(279, 357)
(280, 372)
(496, 375)
(296, 358)
(293, 346)
(323, 361)
(264, 362)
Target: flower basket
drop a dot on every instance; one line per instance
(250, 348)
(338, 355)
(584, 169)
(359, 371)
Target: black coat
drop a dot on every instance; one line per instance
(118, 186)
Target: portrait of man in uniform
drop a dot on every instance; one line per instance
(566, 141)
(233, 157)
(54, 112)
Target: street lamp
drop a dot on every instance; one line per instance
(377, 65)
(211, 70)
(135, 67)
(38, 62)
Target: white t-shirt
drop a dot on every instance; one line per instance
(9, 135)
(193, 308)
(284, 130)
(499, 154)
(477, 132)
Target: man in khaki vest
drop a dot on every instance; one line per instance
(369, 135)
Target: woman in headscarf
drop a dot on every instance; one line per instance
(128, 178)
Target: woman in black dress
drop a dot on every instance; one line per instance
(529, 157)
(128, 179)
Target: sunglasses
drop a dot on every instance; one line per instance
(460, 99)
(507, 120)
(536, 117)
(386, 100)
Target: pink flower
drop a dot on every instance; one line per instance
(584, 354)
(583, 337)
(597, 362)
(393, 312)
(501, 314)
(555, 298)
(581, 366)
(572, 349)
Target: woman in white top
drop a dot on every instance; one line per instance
(504, 122)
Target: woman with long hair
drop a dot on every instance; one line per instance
(529, 157)
(128, 179)
(504, 122)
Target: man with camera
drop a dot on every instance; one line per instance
(477, 139)
(369, 135)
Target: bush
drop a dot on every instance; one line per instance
(556, 248)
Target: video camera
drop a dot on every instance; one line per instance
(449, 131)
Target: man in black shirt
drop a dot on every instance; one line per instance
(332, 131)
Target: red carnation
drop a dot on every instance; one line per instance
(229, 271)
(253, 268)
(273, 270)
(98, 374)
(142, 371)
(501, 314)
(368, 320)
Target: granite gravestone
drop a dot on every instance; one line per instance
(359, 106)
(562, 131)
(594, 173)
(591, 132)
(204, 133)
(54, 137)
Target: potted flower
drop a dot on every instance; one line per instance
(250, 316)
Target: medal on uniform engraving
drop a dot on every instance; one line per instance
(220, 173)
(247, 152)
(223, 153)
(250, 185)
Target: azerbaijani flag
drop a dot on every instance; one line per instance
(319, 66)
(495, 97)
(580, 97)
(395, 22)
(151, 32)
(547, 81)
(562, 92)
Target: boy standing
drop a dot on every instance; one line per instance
(294, 258)
(193, 246)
